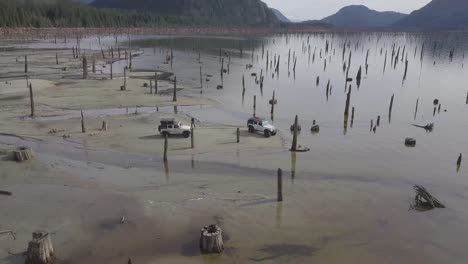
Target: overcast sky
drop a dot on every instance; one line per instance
(318, 9)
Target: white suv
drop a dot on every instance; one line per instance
(256, 124)
(172, 127)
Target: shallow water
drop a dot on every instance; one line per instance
(349, 196)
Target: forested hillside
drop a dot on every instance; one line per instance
(66, 13)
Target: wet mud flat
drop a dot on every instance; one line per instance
(348, 198)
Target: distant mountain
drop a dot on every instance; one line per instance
(359, 16)
(437, 15)
(226, 12)
(280, 16)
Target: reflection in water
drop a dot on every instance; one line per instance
(279, 214)
(293, 165)
(193, 161)
(166, 171)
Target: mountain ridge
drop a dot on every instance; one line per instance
(437, 15)
(360, 16)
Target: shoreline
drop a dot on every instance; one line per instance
(60, 33)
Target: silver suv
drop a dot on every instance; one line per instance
(172, 127)
(256, 124)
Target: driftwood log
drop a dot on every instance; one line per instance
(40, 249)
(211, 239)
(424, 200)
(22, 154)
(428, 127)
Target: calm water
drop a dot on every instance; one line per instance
(374, 169)
(338, 149)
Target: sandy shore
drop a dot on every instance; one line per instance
(81, 202)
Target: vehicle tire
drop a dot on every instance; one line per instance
(267, 133)
(165, 134)
(186, 134)
(251, 129)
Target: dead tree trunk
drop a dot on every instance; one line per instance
(294, 142)
(31, 98)
(211, 240)
(83, 127)
(85, 68)
(280, 185)
(174, 97)
(40, 249)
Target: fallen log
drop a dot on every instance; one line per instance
(428, 127)
(424, 200)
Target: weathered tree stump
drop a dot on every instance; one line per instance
(22, 154)
(40, 249)
(211, 240)
(410, 142)
(104, 126)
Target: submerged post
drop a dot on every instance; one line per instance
(174, 98)
(31, 98)
(85, 68)
(294, 142)
(254, 105)
(280, 185)
(155, 82)
(192, 140)
(238, 135)
(165, 147)
(83, 128)
(25, 64)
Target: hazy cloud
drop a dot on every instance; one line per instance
(318, 9)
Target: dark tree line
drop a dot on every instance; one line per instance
(64, 13)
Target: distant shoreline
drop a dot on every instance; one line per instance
(47, 33)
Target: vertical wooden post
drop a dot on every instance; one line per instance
(25, 64)
(56, 58)
(83, 128)
(130, 64)
(416, 110)
(125, 79)
(85, 68)
(378, 120)
(254, 105)
(273, 104)
(94, 65)
(280, 185)
(294, 142)
(165, 148)
(151, 86)
(112, 71)
(192, 140)
(459, 160)
(238, 135)
(201, 81)
(156, 82)
(31, 98)
(174, 98)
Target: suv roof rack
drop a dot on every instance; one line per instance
(257, 119)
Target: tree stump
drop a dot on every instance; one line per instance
(40, 249)
(23, 154)
(211, 240)
(104, 126)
